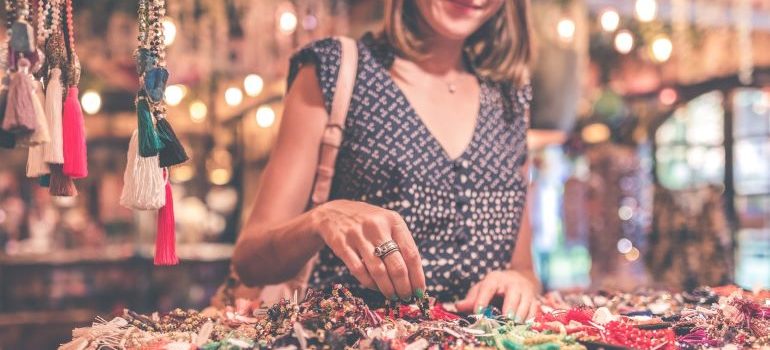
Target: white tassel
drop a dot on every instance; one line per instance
(143, 180)
(54, 150)
(41, 134)
(36, 165)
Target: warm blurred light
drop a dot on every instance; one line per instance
(253, 85)
(219, 176)
(610, 20)
(310, 22)
(198, 111)
(265, 116)
(624, 42)
(287, 21)
(633, 254)
(566, 29)
(182, 173)
(646, 10)
(625, 213)
(595, 133)
(233, 96)
(667, 96)
(662, 48)
(169, 31)
(174, 94)
(91, 102)
(624, 245)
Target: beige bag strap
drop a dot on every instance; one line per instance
(332, 137)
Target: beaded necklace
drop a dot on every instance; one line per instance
(45, 27)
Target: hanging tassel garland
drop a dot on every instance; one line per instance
(19, 109)
(36, 165)
(173, 152)
(41, 135)
(74, 136)
(149, 142)
(54, 150)
(143, 183)
(165, 241)
(60, 184)
(45, 180)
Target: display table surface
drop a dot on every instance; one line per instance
(723, 317)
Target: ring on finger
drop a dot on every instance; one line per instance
(384, 249)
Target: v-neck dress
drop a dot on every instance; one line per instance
(464, 213)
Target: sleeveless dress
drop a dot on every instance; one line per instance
(464, 213)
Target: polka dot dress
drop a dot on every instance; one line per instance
(464, 213)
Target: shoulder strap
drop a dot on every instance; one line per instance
(332, 137)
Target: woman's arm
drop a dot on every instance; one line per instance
(279, 238)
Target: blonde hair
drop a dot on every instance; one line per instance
(501, 49)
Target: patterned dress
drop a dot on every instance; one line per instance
(464, 213)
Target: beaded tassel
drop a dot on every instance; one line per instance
(74, 136)
(143, 181)
(165, 241)
(173, 152)
(19, 108)
(54, 150)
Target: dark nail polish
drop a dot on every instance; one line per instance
(394, 297)
(406, 300)
(419, 293)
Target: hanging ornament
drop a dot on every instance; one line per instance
(73, 124)
(143, 181)
(165, 241)
(22, 35)
(19, 109)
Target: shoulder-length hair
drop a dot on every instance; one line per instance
(501, 49)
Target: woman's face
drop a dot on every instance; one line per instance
(456, 19)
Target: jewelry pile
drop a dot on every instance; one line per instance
(338, 320)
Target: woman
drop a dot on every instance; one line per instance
(433, 158)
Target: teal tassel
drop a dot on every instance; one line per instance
(173, 153)
(44, 180)
(149, 142)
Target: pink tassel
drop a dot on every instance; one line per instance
(74, 137)
(165, 242)
(19, 109)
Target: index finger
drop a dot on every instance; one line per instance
(403, 237)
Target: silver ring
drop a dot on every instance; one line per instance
(382, 250)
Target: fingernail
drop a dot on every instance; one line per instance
(407, 300)
(394, 297)
(419, 293)
(517, 319)
(479, 309)
(510, 316)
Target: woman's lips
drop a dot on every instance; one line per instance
(465, 4)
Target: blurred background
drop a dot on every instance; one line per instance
(650, 144)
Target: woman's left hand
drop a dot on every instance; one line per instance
(519, 293)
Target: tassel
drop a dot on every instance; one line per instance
(22, 36)
(74, 136)
(19, 109)
(36, 165)
(45, 180)
(149, 142)
(41, 135)
(173, 152)
(143, 183)
(165, 241)
(7, 139)
(60, 184)
(54, 150)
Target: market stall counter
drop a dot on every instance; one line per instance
(722, 317)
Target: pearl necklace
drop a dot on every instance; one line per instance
(52, 9)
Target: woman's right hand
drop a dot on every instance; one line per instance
(353, 229)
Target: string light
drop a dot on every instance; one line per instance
(253, 84)
(624, 42)
(91, 102)
(566, 29)
(624, 245)
(646, 10)
(633, 254)
(198, 111)
(595, 133)
(169, 31)
(662, 48)
(233, 96)
(265, 116)
(287, 19)
(609, 20)
(667, 96)
(174, 94)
